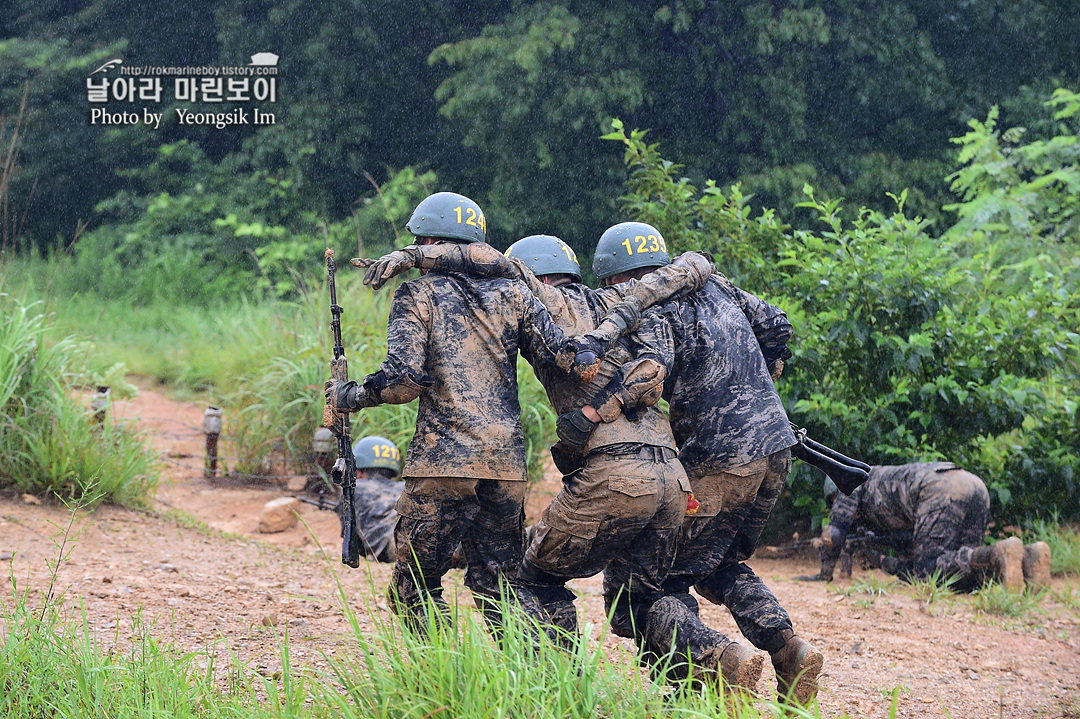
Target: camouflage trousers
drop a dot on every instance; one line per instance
(619, 511)
(950, 522)
(486, 516)
(724, 532)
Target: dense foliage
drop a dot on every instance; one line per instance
(912, 347)
(505, 101)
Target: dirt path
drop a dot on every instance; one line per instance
(200, 573)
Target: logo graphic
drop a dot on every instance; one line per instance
(111, 64)
(264, 58)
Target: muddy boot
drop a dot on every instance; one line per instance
(1005, 559)
(797, 667)
(673, 634)
(741, 666)
(1036, 565)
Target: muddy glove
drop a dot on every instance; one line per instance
(348, 396)
(574, 428)
(776, 369)
(581, 354)
(381, 270)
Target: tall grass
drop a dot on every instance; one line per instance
(1064, 541)
(49, 444)
(265, 362)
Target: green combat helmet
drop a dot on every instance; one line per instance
(546, 255)
(376, 453)
(628, 246)
(450, 216)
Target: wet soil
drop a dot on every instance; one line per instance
(197, 571)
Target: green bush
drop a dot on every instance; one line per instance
(908, 347)
(50, 444)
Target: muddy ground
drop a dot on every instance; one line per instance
(198, 571)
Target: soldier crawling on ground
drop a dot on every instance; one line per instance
(944, 510)
(377, 491)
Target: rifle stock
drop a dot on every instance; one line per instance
(343, 473)
(847, 473)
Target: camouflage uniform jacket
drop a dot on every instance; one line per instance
(632, 374)
(725, 411)
(889, 500)
(453, 341)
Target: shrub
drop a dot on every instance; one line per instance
(50, 444)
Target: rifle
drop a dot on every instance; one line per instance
(847, 473)
(343, 473)
(322, 502)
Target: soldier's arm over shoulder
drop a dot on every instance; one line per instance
(640, 381)
(540, 339)
(401, 378)
(688, 272)
(476, 259)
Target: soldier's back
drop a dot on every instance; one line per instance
(725, 411)
(469, 421)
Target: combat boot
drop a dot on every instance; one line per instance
(674, 634)
(797, 666)
(1005, 559)
(741, 666)
(1036, 565)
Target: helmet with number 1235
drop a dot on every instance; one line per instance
(628, 246)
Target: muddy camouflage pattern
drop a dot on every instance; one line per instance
(632, 371)
(453, 341)
(622, 510)
(725, 411)
(944, 508)
(723, 533)
(373, 503)
(486, 516)
(623, 506)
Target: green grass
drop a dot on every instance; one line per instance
(993, 598)
(1064, 544)
(49, 444)
(935, 590)
(56, 666)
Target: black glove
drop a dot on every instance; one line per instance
(574, 428)
(580, 356)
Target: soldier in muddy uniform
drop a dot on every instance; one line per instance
(734, 441)
(941, 511)
(624, 493)
(377, 491)
(453, 342)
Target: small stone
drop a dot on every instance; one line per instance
(30, 499)
(6, 556)
(296, 484)
(169, 568)
(927, 700)
(270, 597)
(278, 515)
(270, 620)
(106, 580)
(183, 592)
(173, 601)
(230, 589)
(972, 675)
